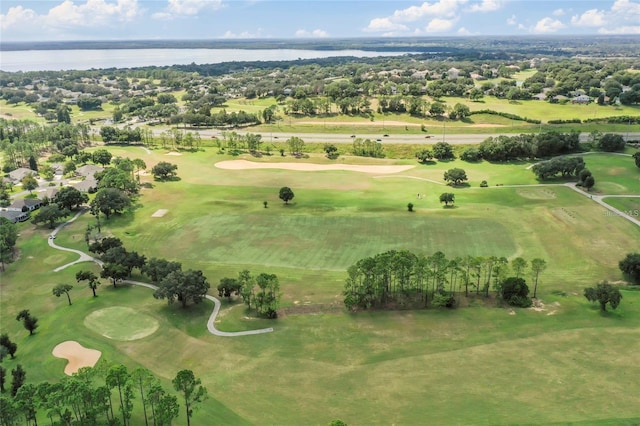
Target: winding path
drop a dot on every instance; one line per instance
(86, 258)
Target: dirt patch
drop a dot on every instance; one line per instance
(564, 215)
(312, 309)
(540, 306)
(310, 167)
(536, 193)
(173, 153)
(160, 213)
(77, 356)
(486, 126)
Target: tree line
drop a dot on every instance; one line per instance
(402, 279)
(104, 394)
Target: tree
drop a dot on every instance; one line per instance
(8, 239)
(610, 142)
(29, 183)
(630, 266)
(3, 378)
(228, 287)
(424, 156)
(636, 158)
(188, 286)
(63, 114)
(156, 269)
(61, 289)
(118, 377)
(268, 296)
(518, 265)
(101, 156)
(246, 290)
(25, 400)
(191, 390)
(331, 151)
(286, 194)
(455, 176)
(70, 198)
(19, 377)
(588, 183)
(115, 272)
(446, 198)
(443, 151)
(515, 292)
(92, 279)
(537, 267)
(410, 207)
(50, 215)
(10, 346)
(139, 164)
(164, 170)
(28, 321)
(604, 293)
(110, 201)
(296, 145)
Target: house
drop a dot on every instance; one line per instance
(14, 216)
(18, 174)
(581, 99)
(50, 193)
(87, 185)
(453, 73)
(25, 204)
(88, 170)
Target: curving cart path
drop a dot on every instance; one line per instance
(86, 258)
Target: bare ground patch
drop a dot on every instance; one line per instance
(77, 356)
(159, 213)
(310, 167)
(173, 153)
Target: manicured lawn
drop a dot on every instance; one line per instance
(563, 362)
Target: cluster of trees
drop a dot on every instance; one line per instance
(264, 299)
(125, 135)
(523, 146)
(565, 166)
(402, 279)
(440, 150)
(586, 179)
(104, 394)
(605, 294)
(367, 148)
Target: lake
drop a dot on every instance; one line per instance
(57, 60)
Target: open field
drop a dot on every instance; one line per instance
(562, 362)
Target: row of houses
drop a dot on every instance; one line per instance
(20, 210)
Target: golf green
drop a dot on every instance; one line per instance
(121, 323)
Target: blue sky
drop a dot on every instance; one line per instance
(31, 20)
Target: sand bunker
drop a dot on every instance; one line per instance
(173, 153)
(77, 356)
(310, 167)
(160, 213)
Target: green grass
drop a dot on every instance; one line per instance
(480, 364)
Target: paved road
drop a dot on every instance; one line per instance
(86, 258)
(392, 138)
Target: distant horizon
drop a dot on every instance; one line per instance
(112, 20)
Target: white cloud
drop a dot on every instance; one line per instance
(68, 14)
(548, 25)
(314, 33)
(384, 24)
(176, 8)
(486, 6)
(17, 16)
(442, 10)
(512, 20)
(626, 7)
(438, 25)
(463, 31)
(590, 18)
(558, 12)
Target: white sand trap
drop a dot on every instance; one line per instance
(310, 167)
(160, 213)
(173, 153)
(77, 355)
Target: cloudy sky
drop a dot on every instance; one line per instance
(30, 20)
